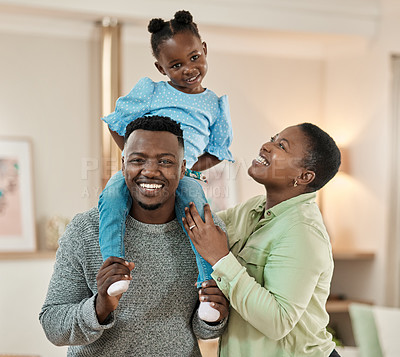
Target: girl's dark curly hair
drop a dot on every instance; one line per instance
(163, 30)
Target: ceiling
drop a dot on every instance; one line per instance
(300, 28)
(352, 17)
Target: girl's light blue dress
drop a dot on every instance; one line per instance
(205, 121)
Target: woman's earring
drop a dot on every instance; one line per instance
(295, 183)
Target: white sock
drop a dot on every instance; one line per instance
(207, 312)
(118, 287)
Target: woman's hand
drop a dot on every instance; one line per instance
(210, 292)
(210, 240)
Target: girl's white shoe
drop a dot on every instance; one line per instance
(118, 287)
(207, 312)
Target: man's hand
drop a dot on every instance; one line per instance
(112, 270)
(210, 292)
(210, 240)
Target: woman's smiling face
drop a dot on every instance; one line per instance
(280, 160)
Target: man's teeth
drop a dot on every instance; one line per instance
(150, 186)
(261, 160)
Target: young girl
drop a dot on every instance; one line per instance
(204, 118)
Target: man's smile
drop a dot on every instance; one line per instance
(150, 188)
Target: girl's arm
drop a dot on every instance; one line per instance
(119, 140)
(128, 108)
(204, 162)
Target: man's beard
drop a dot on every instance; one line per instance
(149, 207)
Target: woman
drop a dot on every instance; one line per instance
(276, 271)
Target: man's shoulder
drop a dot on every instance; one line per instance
(82, 231)
(89, 216)
(88, 220)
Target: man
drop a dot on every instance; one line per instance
(157, 315)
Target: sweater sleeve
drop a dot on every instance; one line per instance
(291, 274)
(68, 315)
(131, 106)
(205, 331)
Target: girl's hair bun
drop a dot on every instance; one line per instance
(155, 25)
(183, 17)
(163, 30)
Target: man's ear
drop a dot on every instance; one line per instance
(183, 169)
(205, 48)
(123, 165)
(306, 177)
(160, 69)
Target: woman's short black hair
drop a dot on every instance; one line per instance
(163, 30)
(322, 157)
(155, 123)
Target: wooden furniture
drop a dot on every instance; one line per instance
(338, 307)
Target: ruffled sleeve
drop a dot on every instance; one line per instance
(221, 133)
(131, 106)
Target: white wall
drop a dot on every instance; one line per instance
(49, 91)
(358, 98)
(23, 290)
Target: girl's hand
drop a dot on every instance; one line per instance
(210, 240)
(210, 292)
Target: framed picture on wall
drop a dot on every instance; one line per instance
(17, 225)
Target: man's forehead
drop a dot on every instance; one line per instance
(155, 141)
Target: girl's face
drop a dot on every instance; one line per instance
(279, 161)
(183, 59)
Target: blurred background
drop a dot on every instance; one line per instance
(281, 62)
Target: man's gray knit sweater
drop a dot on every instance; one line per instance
(155, 317)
